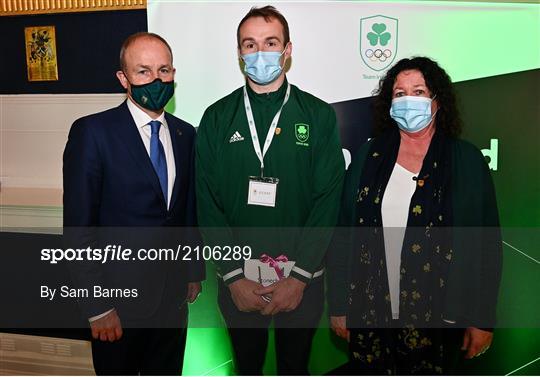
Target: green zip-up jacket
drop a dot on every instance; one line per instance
(310, 172)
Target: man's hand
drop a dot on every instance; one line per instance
(193, 291)
(286, 295)
(242, 293)
(339, 326)
(107, 328)
(476, 342)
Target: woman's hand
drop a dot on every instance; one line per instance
(476, 342)
(339, 326)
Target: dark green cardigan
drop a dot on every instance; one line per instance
(475, 272)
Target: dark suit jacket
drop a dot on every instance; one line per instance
(109, 182)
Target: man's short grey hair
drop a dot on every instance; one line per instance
(132, 38)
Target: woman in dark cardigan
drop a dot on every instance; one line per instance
(415, 266)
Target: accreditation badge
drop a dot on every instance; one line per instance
(262, 191)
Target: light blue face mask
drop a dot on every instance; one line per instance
(263, 67)
(412, 113)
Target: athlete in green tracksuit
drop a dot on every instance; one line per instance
(310, 174)
(305, 156)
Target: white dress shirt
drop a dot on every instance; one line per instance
(142, 121)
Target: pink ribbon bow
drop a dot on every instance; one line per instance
(274, 263)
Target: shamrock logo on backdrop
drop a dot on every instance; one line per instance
(378, 41)
(379, 34)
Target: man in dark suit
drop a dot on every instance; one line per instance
(132, 167)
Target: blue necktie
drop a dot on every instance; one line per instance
(157, 156)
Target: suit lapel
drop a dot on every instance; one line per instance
(178, 144)
(130, 136)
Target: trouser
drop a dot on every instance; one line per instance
(141, 351)
(294, 332)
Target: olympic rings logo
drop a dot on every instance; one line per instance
(378, 54)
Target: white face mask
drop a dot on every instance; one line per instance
(412, 113)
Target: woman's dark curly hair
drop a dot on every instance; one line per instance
(439, 84)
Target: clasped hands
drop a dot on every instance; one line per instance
(286, 294)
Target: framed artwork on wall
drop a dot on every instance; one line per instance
(41, 57)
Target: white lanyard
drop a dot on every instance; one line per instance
(271, 131)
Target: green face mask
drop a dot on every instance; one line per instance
(154, 95)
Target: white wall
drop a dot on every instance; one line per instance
(33, 134)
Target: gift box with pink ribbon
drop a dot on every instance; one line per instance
(267, 270)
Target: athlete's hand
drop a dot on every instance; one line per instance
(244, 297)
(286, 295)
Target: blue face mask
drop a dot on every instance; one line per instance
(263, 67)
(411, 113)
